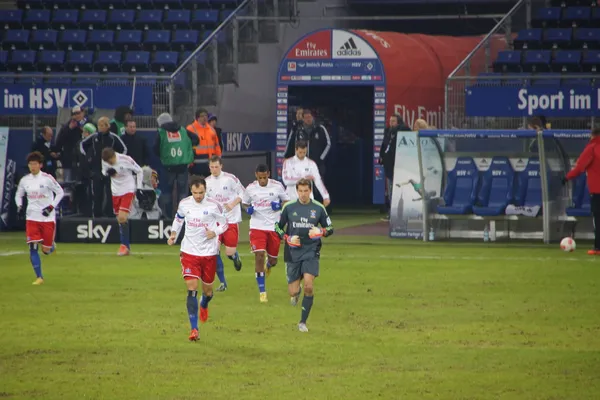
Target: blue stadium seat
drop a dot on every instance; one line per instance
(157, 40)
(557, 38)
(87, 4)
(522, 81)
(497, 188)
(185, 40)
(575, 80)
(489, 82)
(101, 40)
(595, 20)
(202, 19)
(461, 189)
(93, 19)
(3, 60)
(112, 4)
(587, 38)
(116, 78)
(58, 80)
(80, 61)
(529, 39)
(128, 40)
(36, 19)
(508, 61)
(220, 37)
(566, 61)
(225, 3)
(11, 19)
(108, 61)
(27, 78)
(167, 4)
(51, 60)
(60, 4)
(226, 13)
(121, 19)
(576, 16)
(91, 79)
(149, 19)
(164, 61)
(44, 40)
(547, 17)
(72, 40)
(195, 4)
(177, 19)
(22, 60)
(546, 79)
(537, 61)
(529, 185)
(15, 39)
(591, 61)
(65, 19)
(141, 4)
(136, 61)
(581, 198)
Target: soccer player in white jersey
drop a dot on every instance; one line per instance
(302, 167)
(228, 191)
(125, 179)
(264, 197)
(43, 196)
(204, 222)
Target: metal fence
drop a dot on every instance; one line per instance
(481, 59)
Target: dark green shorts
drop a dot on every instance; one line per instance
(296, 270)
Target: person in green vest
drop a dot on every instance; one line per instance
(119, 122)
(175, 148)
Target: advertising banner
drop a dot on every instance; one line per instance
(84, 230)
(409, 192)
(543, 100)
(47, 99)
(7, 176)
(148, 231)
(248, 142)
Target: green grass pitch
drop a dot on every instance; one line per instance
(392, 319)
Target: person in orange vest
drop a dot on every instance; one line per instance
(208, 145)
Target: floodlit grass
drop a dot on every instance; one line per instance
(392, 319)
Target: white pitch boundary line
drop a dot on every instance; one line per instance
(326, 256)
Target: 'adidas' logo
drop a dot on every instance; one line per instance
(349, 49)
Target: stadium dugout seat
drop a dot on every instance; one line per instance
(72, 40)
(51, 60)
(157, 40)
(121, 19)
(591, 61)
(65, 19)
(461, 189)
(497, 188)
(3, 60)
(508, 61)
(567, 61)
(529, 185)
(537, 61)
(581, 199)
(22, 60)
(547, 17)
(44, 40)
(587, 38)
(108, 61)
(80, 61)
(136, 61)
(93, 19)
(15, 39)
(576, 16)
(546, 79)
(177, 19)
(557, 38)
(148, 19)
(203, 19)
(529, 39)
(164, 61)
(11, 19)
(185, 40)
(128, 40)
(36, 19)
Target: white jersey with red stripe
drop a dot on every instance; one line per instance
(295, 169)
(128, 178)
(198, 218)
(42, 191)
(225, 188)
(260, 197)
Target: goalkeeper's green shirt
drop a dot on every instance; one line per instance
(297, 219)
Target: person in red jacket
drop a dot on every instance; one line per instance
(589, 162)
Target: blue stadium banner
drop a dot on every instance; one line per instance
(47, 99)
(248, 142)
(481, 101)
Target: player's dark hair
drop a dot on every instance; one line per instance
(302, 182)
(216, 159)
(108, 153)
(595, 131)
(262, 168)
(201, 111)
(301, 144)
(197, 180)
(35, 156)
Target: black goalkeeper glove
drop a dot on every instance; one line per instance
(46, 211)
(111, 172)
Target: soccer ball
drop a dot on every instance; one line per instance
(567, 244)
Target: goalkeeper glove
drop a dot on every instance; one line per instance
(111, 172)
(275, 205)
(250, 210)
(46, 211)
(316, 233)
(290, 239)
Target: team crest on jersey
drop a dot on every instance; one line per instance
(205, 212)
(271, 194)
(173, 136)
(313, 213)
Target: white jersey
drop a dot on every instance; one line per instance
(124, 181)
(225, 188)
(42, 191)
(295, 169)
(198, 218)
(260, 197)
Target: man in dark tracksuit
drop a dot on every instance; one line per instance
(589, 162)
(298, 227)
(317, 138)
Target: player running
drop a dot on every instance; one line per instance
(43, 196)
(204, 222)
(300, 218)
(265, 198)
(125, 178)
(227, 190)
(302, 167)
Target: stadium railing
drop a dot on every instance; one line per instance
(506, 183)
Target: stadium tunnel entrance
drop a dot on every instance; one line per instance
(354, 80)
